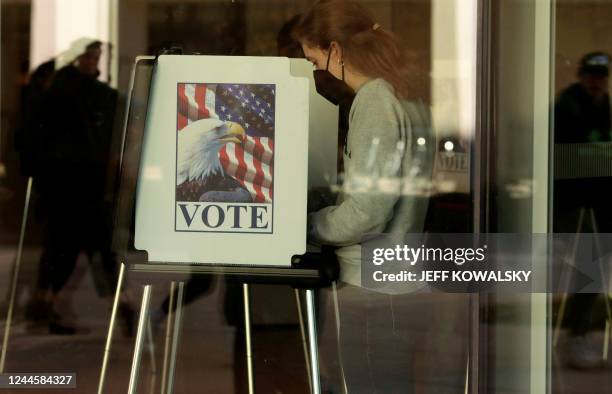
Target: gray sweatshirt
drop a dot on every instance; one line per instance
(379, 160)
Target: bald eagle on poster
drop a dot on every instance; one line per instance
(199, 174)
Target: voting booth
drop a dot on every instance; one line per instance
(215, 173)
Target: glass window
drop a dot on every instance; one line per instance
(497, 106)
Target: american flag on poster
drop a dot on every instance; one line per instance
(225, 142)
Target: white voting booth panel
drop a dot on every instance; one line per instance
(322, 133)
(224, 169)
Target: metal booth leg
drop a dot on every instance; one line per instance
(606, 344)
(9, 316)
(178, 319)
(605, 288)
(140, 336)
(168, 334)
(298, 302)
(565, 281)
(151, 345)
(338, 345)
(466, 383)
(111, 329)
(312, 337)
(247, 334)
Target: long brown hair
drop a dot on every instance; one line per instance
(366, 47)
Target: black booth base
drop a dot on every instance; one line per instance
(311, 270)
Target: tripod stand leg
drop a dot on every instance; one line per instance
(140, 335)
(466, 384)
(247, 332)
(605, 286)
(178, 320)
(9, 316)
(606, 345)
(168, 332)
(151, 345)
(566, 281)
(303, 334)
(312, 337)
(337, 315)
(111, 329)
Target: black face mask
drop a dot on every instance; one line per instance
(333, 89)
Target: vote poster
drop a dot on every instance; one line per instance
(225, 157)
(224, 165)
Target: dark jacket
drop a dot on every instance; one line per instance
(579, 118)
(76, 135)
